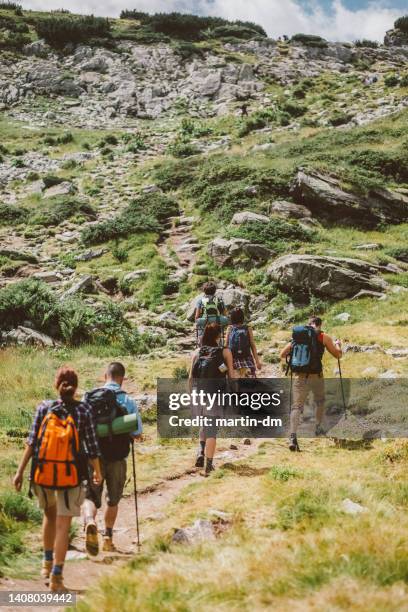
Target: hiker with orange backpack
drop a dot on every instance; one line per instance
(61, 442)
(303, 357)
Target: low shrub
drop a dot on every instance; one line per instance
(402, 24)
(392, 164)
(146, 213)
(339, 118)
(12, 215)
(278, 234)
(293, 108)
(19, 508)
(60, 209)
(183, 149)
(60, 29)
(371, 44)
(399, 253)
(309, 40)
(29, 300)
(391, 80)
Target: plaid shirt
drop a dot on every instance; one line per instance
(245, 362)
(84, 421)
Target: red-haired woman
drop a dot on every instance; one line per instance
(61, 441)
(211, 364)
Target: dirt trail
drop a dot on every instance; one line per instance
(81, 572)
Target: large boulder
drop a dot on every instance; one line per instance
(226, 252)
(25, 336)
(62, 189)
(328, 200)
(289, 210)
(396, 38)
(325, 277)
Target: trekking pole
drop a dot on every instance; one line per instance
(342, 389)
(135, 494)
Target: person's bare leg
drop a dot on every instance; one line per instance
(111, 513)
(61, 539)
(49, 527)
(89, 512)
(210, 444)
(319, 412)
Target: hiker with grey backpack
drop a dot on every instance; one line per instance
(110, 404)
(304, 355)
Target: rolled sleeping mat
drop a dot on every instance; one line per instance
(120, 425)
(221, 320)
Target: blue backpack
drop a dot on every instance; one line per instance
(239, 342)
(306, 352)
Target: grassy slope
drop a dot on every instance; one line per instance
(288, 545)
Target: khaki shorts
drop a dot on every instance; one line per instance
(68, 501)
(303, 384)
(114, 475)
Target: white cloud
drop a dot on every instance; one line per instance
(275, 16)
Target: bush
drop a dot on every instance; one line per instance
(391, 80)
(10, 6)
(135, 343)
(59, 210)
(371, 44)
(404, 81)
(59, 30)
(234, 31)
(399, 253)
(29, 300)
(187, 26)
(171, 175)
(19, 508)
(12, 215)
(277, 235)
(402, 24)
(309, 40)
(390, 164)
(183, 149)
(120, 253)
(339, 118)
(144, 214)
(293, 109)
(257, 121)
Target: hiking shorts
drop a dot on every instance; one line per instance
(303, 384)
(114, 477)
(68, 501)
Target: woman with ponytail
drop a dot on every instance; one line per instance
(61, 442)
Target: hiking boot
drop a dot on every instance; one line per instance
(46, 570)
(57, 584)
(319, 431)
(91, 539)
(200, 460)
(293, 443)
(108, 545)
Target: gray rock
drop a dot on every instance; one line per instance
(63, 189)
(38, 48)
(201, 531)
(19, 255)
(248, 216)
(85, 284)
(26, 336)
(325, 197)
(370, 246)
(368, 293)
(234, 297)
(48, 276)
(289, 210)
(350, 507)
(397, 353)
(225, 252)
(343, 317)
(396, 38)
(91, 254)
(389, 374)
(135, 274)
(325, 277)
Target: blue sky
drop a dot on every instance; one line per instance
(344, 20)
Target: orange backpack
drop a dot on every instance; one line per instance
(58, 449)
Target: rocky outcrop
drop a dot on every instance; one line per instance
(225, 252)
(396, 38)
(326, 277)
(289, 210)
(25, 336)
(324, 195)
